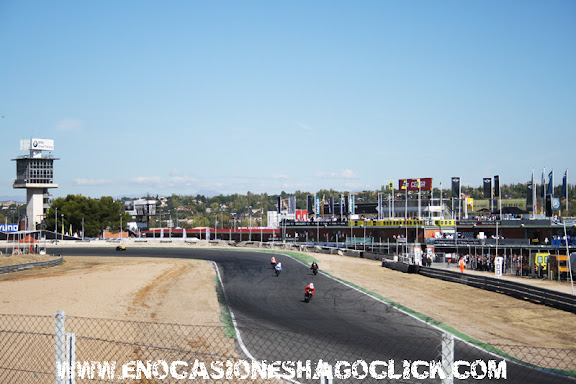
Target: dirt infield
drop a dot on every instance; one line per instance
(182, 291)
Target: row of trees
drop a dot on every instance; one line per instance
(75, 212)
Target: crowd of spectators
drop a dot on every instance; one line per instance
(514, 264)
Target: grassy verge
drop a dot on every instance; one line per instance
(225, 315)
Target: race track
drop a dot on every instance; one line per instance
(339, 324)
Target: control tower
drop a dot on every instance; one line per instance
(35, 172)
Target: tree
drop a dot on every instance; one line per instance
(97, 215)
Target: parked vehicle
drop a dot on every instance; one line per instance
(558, 266)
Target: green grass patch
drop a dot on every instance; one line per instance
(225, 315)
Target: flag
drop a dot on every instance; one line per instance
(310, 204)
(278, 204)
(529, 199)
(551, 183)
(471, 203)
(351, 205)
(391, 185)
(404, 185)
(456, 187)
(497, 186)
(565, 185)
(543, 184)
(487, 187)
(292, 205)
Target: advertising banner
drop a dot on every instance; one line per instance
(8, 228)
(37, 144)
(302, 214)
(310, 204)
(487, 187)
(351, 206)
(456, 187)
(412, 184)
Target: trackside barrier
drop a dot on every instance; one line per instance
(39, 264)
(538, 295)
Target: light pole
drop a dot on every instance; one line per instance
(62, 226)
(120, 227)
(82, 229)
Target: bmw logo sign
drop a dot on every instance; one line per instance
(35, 144)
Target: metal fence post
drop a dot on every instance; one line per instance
(71, 356)
(448, 357)
(60, 345)
(326, 374)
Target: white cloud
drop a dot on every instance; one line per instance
(178, 180)
(344, 174)
(303, 126)
(70, 125)
(92, 182)
(155, 180)
(280, 177)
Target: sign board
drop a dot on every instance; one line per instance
(9, 228)
(412, 184)
(302, 214)
(498, 265)
(37, 145)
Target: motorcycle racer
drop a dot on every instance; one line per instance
(310, 289)
(314, 267)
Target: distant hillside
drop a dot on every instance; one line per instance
(17, 199)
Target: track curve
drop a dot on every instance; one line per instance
(339, 324)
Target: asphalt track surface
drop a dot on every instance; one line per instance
(339, 324)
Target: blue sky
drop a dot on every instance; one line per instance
(187, 97)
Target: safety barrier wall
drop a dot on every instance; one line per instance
(539, 295)
(39, 264)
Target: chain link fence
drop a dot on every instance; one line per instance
(40, 349)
